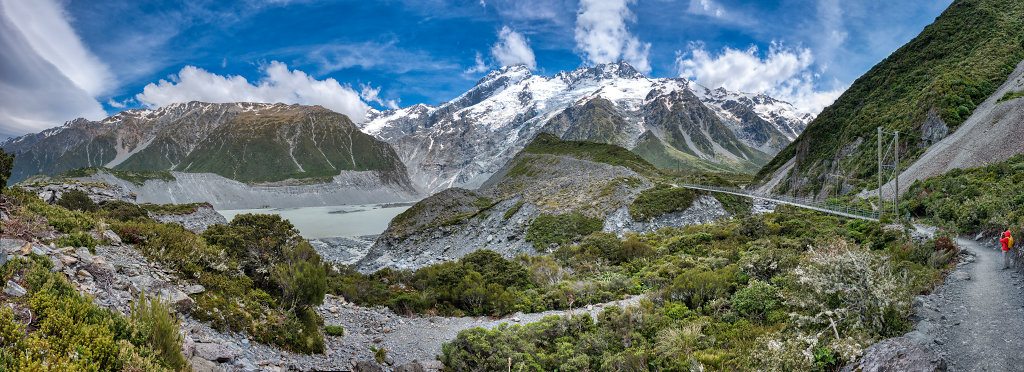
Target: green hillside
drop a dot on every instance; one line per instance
(953, 65)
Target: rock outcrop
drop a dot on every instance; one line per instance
(197, 221)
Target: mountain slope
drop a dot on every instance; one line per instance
(246, 142)
(926, 88)
(463, 142)
(552, 192)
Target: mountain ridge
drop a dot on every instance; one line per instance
(462, 141)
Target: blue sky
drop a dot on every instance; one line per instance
(92, 58)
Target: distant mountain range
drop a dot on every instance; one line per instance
(248, 142)
(672, 123)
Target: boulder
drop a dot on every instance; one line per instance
(432, 366)
(182, 302)
(188, 346)
(14, 290)
(413, 366)
(194, 289)
(897, 354)
(112, 237)
(84, 256)
(3, 257)
(214, 352)
(203, 365)
(11, 245)
(366, 366)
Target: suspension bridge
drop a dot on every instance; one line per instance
(808, 203)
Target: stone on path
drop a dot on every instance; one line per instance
(897, 354)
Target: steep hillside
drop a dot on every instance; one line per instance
(552, 193)
(464, 141)
(927, 88)
(246, 142)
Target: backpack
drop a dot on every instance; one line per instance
(1009, 242)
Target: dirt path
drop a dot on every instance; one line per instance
(976, 321)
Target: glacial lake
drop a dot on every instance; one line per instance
(333, 221)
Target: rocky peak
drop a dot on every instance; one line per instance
(601, 72)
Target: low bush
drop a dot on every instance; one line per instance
(336, 331)
(659, 200)
(123, 211)
(548, 231)
(70, 332)
(79, 239)
(76, 200)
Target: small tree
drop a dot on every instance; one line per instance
(6, 164)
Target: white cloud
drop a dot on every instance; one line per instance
(783, 73)
(371, 94)
(707, 7)
(479, 66)
(41, 82)
(512, 49)
(43, 25)
(601, 34)
(278, 84)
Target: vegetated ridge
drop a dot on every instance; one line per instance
(927, 88)
(247, 142)
(551, 194)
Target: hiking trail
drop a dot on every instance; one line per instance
(976, 320)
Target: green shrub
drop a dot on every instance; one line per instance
(76, 200)
(756, 300)
(379, 354)
(74, 333)
(154, 318)
(512, 211)
(79, 239)
(659, 200)
(698, 286)
(336, 331)
(123, 211)
(547, 230)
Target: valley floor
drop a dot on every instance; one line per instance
(975, 321)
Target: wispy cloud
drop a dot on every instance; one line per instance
(479, 65)
(782, 72)
(47, 76)
(512, 49)
(370, 94)
(602, 36)
(278, 84)
(387, 57)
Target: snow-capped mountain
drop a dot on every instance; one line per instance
(669, 121)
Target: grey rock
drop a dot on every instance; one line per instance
(112, 237)
(203, 365)
(3, 257)
(84, 256)
(432, 366)
(197, 222)
(413, 366)
(214, 352)
(366, 366)
(194, 289)
(705, 209)
(14, 290)
(41, 250)
(897, 354)
(11, 245)
(100, 194)
(188, 346)
(181, 301)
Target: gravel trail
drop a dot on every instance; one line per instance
(976, 320)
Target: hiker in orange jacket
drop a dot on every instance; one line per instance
(1007, 241)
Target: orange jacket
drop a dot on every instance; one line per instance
(1007, 242)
